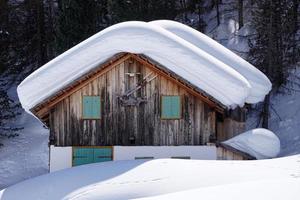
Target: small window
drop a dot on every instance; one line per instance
(91, 107)
(181, 157)
(144, 158)
(170, 107)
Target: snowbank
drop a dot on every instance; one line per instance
(214, 70)
(148, 178)
(260, 143)
(25, 156)
(259, 190)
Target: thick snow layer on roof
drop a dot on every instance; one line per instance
(206, 68)
(147, 178)
(260, 84)
(260, 143)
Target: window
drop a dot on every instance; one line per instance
(181, 157)
(91, 107)
(143, 158)
(170, 107)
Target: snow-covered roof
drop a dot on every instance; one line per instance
(183, 50)
(259, 143)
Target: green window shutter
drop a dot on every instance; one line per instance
(91, 107)
(96, 107)
(171, 107)
(175, 104)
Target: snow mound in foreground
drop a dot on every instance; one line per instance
(148, 178)
(259, 191)
(222, 75)
(260, 143)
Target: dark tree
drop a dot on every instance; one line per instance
(127, 10)
(77, 21)
(241, 13)
(273, 44)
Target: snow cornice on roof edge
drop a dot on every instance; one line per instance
(202, 68)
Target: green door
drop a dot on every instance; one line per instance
(86, 155)
(102, 154)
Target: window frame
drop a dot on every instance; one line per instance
(180, 108)
(82, 108)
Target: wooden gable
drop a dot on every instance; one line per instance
(42, 110)
(120, 124)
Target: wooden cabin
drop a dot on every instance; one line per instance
(141, 90)
(131, 100)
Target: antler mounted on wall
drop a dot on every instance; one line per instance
(127, 99)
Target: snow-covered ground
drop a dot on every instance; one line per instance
(263, 179)
(26, 155)
(284, 119)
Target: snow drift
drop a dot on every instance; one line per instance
(260, 143)
(119, 180)
(211, 68)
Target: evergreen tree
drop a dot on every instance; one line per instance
(79, 20)
(142, 10)
(272, 46)
(195, 7)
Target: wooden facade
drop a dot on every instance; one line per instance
(138, 123)
(226, 152)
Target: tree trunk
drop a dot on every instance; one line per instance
(42, 47)
(265, 117)
(240, 11)
(51, 38)
(218, 12)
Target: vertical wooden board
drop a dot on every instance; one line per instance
(115, 107)
(220, 130)
(56, 125)
(87, 131)
(164, 123)
(192, 108)
(156, 122)
(110, 83)
(101, 127)
(61, 124)
(68, 136)
(128, 132)
(212, 124)
(141, 108)
(206, 122)
(52, 135)
(197, 122)
(121, 114)
(134, 108)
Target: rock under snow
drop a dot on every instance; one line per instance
(212, 68)
(260, 143)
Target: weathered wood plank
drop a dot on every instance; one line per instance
(142, 123)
